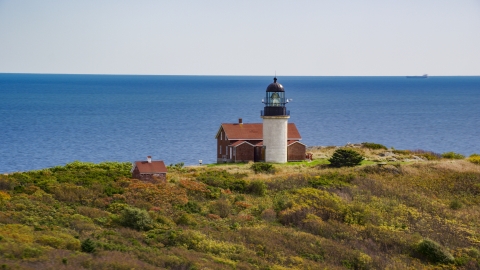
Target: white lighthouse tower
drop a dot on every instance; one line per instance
(275, 124)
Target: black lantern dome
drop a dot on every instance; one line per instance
(275, 87)
(275, 100)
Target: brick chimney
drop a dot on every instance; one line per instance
(240, 121)
(149, 159)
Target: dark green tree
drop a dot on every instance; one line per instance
(88, 246)
(345, 158)
(433, 252)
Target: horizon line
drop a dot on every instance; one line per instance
(223, 75)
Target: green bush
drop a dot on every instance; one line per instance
(455, 204)
(257, 187)
(262, 167)
(374, 146)
(452, 155)
(137, 219)
(190, 207)
(345, 158)
(433, 252)
(330, 179)
(237, 185)
(177, 167)
(224, 179)
(88, 246)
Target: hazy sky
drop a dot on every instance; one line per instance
(334, 37)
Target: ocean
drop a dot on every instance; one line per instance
(48, 120)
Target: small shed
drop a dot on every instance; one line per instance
(150, 170)
(296, 151)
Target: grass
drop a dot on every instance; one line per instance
(402, 215)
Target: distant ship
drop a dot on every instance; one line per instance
(424, 76)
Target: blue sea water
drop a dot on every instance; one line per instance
(49, 120)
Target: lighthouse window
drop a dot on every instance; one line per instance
(275, 99)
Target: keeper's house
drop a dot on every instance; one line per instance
(150, 170)
(242, 142)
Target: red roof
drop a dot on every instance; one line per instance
(260, 143)
(253, 131)
(154, 167)
(292, 142)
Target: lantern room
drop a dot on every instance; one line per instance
(275, 100)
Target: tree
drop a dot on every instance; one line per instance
(434, 252)
(88, 246)
(345, 158)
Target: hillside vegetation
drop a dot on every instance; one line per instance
(414, 210)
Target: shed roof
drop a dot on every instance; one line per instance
(156, 166)
(237, 143)
(292, 142)
(253, 131)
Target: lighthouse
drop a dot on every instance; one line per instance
(275, 123)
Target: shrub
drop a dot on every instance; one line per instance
(88, 246)
(269, 215)
(262, 167)
(433, 252)
(345, 158)
(452, 155)
(190, 207)
(429, 155)
(370, 145)
(194, 187)
(137, 219)
(257, 187)
(165, 220)
(237, 185)
(177, 167)
(223, 179)
(330, 179)
(146, 195)
(474, 158)
(186, 219)
(214, 192)
(455, 204)
(222, 208)
(59, 240)
(4, 197)
(402, 152)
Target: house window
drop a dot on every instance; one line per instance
(221, 135)
(230, 152)
(220, 149)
